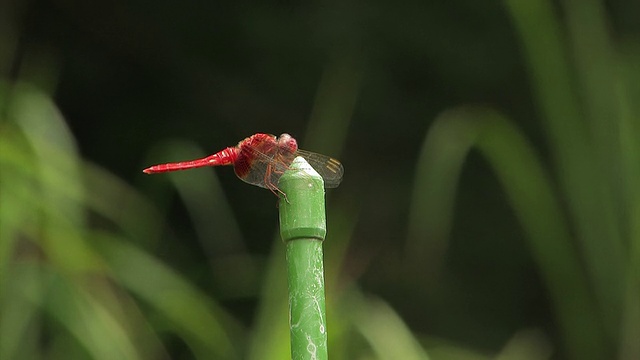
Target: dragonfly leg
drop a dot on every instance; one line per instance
(273, 187)
(277, 192)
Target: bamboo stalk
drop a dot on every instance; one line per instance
(303, 228)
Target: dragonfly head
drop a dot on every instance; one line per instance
(286, 141)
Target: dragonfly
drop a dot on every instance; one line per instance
(260, 160)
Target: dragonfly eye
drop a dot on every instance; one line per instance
(286, 141)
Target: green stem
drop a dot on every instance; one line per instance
(303, 228)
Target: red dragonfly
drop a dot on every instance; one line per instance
(260, 160)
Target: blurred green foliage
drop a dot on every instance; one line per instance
(505, 230)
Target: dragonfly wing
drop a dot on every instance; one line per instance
(329, 168)
(261, 169)
(253, 173)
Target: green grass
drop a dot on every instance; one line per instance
(580, 211)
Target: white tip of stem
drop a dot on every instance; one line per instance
(300, 164)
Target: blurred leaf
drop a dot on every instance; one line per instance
(384, 330)
(197, 319)
(527, 344)
(44, 219)
(628, 81)
(93, 325)
(334, 105)
(208, 207)
(19, 314)
(582, 167)
(270, 337)
(532, 198)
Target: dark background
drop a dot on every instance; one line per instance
(361, 81)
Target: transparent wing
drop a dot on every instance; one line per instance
(329, 168)
(264, 170)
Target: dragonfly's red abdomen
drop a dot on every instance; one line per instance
(225, 157)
